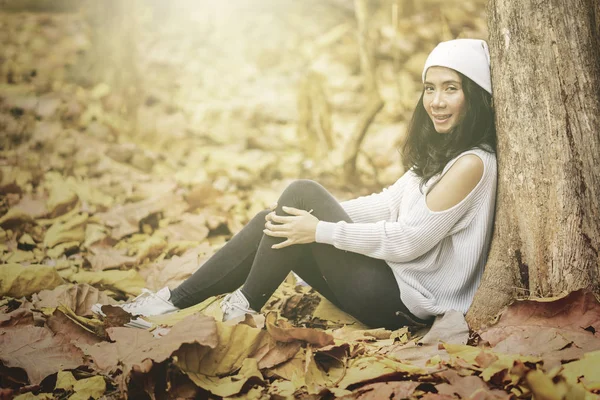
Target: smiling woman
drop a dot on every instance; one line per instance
(391, 259)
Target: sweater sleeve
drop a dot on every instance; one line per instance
(377, 206)
(411, 235)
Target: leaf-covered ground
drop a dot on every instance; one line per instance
(91, 212)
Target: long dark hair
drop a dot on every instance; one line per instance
(427, 152)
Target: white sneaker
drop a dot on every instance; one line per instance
(146, 304)
(235, 305)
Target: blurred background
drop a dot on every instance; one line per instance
(108, 104)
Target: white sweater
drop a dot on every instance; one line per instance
(436, 257)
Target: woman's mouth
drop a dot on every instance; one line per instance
(442, 118)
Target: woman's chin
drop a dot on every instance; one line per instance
(442, 129)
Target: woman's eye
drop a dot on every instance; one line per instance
(429, 89)
(451, 88)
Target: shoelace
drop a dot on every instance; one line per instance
(228, 306)
(139, 300)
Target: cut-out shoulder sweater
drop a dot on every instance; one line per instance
(437, 257)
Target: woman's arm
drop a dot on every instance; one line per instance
(427, 224)
(375, 207)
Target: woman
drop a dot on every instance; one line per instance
(392, 259)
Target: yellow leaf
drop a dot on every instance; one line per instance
(129, 282)
(584, 370)
(210, 307)
(65, 380)
(93, 387)
(503, 361)
(236, 343)
(326, 373)
(364, 368)
(327, 311)
(14, 217)
(230, 385)
(62, 197)
(292, 370)
(60, 249)
(283, 331)
(72, 230)
(17, 280)
(31, 396)
(18, 256)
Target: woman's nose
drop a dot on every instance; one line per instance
(437, 101)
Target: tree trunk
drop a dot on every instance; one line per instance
(546, 77)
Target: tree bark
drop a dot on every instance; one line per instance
(546, 77)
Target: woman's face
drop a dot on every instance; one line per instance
(443, 98)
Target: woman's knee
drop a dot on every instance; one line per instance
(303, 187)
(259, 218)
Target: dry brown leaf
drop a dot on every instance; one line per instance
(125, 219)
(59, 322)
(558, 329)
(38, 351)
(247, 376)
(18, 317)
(191, 227)
(80, 298)
(174, 271)
(467, 387)
(277, 353)
(283, 331)
(103, 257)
(132, 346)
(577, 311)
(236, 343)
(384, 390)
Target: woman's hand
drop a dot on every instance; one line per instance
(299, 228)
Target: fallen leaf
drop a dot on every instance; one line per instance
(235, 344)
(585, 371)
(72, 230)
(174, 271)
(17, 280)
(132, 346)
(38, 351)
(15, 218)
(247, 376)
(364, 369)
(190, 227)
(78, 297)
(576, 311)
(59, 322)
(129, 282)
(283, 331)
(103, 257)
(504, 362)
(125, 219)
(18, 317)
(62, 198)
(384, 390)
(467, 387)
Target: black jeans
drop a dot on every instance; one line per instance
(362, 286)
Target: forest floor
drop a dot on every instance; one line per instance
(95, 207)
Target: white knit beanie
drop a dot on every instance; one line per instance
(470, 57)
